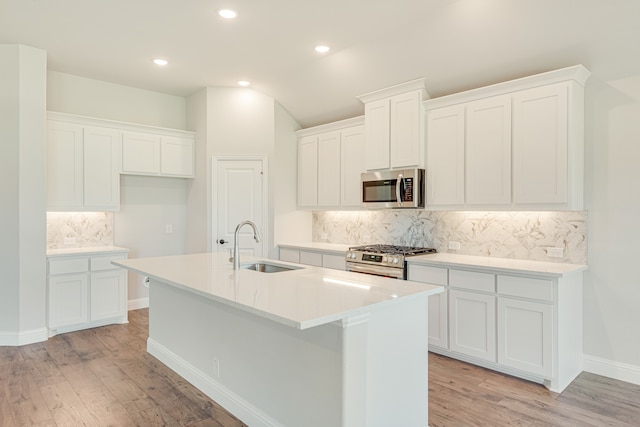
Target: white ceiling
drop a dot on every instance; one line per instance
(454, 44)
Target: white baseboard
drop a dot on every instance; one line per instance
(229, 400)
(609, 368)
(14, 339)
(135, 304)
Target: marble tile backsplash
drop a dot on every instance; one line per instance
(517, 235)
(89, 229)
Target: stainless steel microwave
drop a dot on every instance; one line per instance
(402, 188)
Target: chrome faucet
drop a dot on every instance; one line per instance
(236, 252)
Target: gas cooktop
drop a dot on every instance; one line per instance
(393, 250)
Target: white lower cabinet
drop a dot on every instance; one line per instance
(472, 322)
(68, 300)
(528, 325)
(85, 291)
(525, 335)
(438, 335)
(318, 259)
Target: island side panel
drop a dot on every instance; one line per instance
(398, 383)
(265, 373)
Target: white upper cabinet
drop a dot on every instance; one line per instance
(308, 171)
(445, 156)
(82, 167)
(352, 165)
(488, 151)
(157, 154)
(541, 144)
(523, 145)
(394, 127)
(330, 161)
(329, 169)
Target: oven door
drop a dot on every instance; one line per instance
(376, 270)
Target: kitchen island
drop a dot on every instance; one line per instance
(305, 347)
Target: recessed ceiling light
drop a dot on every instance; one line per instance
(161, 62)
(227, 13)
(243, 83)
(322, 49)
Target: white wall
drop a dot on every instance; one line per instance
(67, 93)
(290, 224)
(147, 203)
(612, 198)
(23, 195)
(240, 121)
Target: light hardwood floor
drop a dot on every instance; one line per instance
(104, 377)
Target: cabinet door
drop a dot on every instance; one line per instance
(352, 165)
(540, 145)
(329, 169)
(525, 335)
(438, 304)
(176, 156)
(488, 151)
(472, 323)
(377, 127)
(445, 156)
(101, 169)
(140, 153)
(308, 171)
(337, 262)
(405, 130)
(108, 297)
(67, 300)
(289, 255)
(311, 258)
(64, 166)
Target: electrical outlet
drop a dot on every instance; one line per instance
(69, 241)
(454, 246)
(555, 252)
(169, 228)
(324, 236)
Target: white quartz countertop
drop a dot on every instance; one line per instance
(505, 265)
(302, 298)
(85, 250)
(338, 248)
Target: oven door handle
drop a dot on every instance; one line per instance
(398, 193)
(373, 269)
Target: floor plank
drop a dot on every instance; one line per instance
(105, 377)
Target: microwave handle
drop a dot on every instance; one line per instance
(398, 193)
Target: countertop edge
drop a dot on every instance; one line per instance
(490, 264)
(61, 252)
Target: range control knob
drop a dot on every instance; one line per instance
(395, 260)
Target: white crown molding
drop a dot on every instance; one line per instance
(123, 126)
(576, 73)
(410, 86)
(329, 127)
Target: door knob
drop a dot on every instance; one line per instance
(222, 241)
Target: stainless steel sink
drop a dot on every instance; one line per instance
(265, 267)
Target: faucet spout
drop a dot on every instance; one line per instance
(236, 252)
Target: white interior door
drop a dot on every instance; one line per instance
(239, 195)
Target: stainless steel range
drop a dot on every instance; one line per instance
(382, 260)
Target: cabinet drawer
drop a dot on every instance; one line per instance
(336, 262)
(525, 287)
(425, 274)
(311, 258)
(289, 255)
(68, 265)
(104, 262)
(483, 282)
